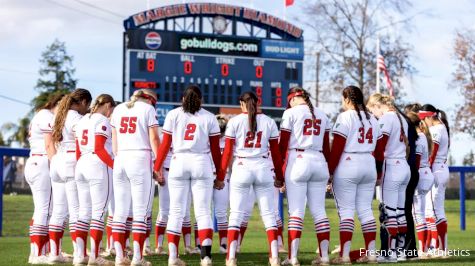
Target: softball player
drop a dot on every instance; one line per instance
(426, 180)
(354, 172)
(65, 195)
(94, 176)
(253, 135)
(221, 197)
(134, 137)
(194, 132)
(37, 176)
(391, 150)
(304, 137)
(440, 132)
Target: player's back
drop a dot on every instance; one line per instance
(440, 136)
(68, 143)
(390, 125)
(190, 132)
(132, 125)
(39, 125)
(422, 148)
(361, 135)
(306, 132)
(83, 135)
(248, 144)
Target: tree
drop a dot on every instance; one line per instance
(346, 34)
(56, 73)
(18, 132)
(463, 79)
(469, 159)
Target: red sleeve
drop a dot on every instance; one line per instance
(227, 154)
(326, 145)
(216, 154)
(434, 153)
(284, 142)
(381, 147)
(99, 149)
(163, 150)
(338, 146)
(276, 158)
(418, 161)
(78, 151)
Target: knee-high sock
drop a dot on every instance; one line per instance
(55, 237)
(110, 243)
(322, 228)
(242, 232)
(38, 239)
(432, 234)
(346, 233)
(160, 228)
(206, 240)
(391, 227)
(128, 224)
(369, 234)
(119, 237)
(139, 232)
(186, 231)
(222, 232)
(233, 242)
(197, 236)
(272, 235)
(82, 229)
(441, 226)
(97, 230)
(422, 231)
(173, 243)
(280, 230)
(294, 232)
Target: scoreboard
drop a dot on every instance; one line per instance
(214, 55)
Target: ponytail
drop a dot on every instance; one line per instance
(355, 95)
(250, 100)
(443, 118)
(192, 99)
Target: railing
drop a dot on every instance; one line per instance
(7, 151)
(462, 170)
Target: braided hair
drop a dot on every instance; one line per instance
(250, 99)
(192, 99)
(222, 122)
(355, 95)
(299, 92)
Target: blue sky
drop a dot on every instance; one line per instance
(28, 26)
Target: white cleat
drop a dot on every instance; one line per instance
(141, 262)
(147, 251)
(231, 262)
(336, 250)
(274, 261)
(80, 261)
(176, 262)
(38, 260)
(223, 250)
(30, 259)
(291, 262)
(321, 261)
(206, 261)
(189, 251)
(99, 261)
(342, 260)
(122, 262)
(58, 259)
(160, 251)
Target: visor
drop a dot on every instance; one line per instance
(424, 114)
(150, 98)
(292, 95)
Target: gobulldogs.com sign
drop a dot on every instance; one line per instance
(191, 9)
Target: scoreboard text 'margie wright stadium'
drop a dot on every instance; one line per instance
(223, 49)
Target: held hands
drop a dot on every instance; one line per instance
(158, 176)
(279, 183)
(330, 184)
(218, 184)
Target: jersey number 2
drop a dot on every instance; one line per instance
(190, 132)
(312, 123)
(128, 125)
(368, 135)
(249, 143)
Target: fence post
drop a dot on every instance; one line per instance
(1, 194)
(462, 200)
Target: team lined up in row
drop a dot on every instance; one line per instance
(75, 156)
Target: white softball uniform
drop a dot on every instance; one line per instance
(426, 180)
(221, 200)
(190, 168)
(62, 168)
(37, 174)
(251, 168)
(132, 175)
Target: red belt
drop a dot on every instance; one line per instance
(37, 154)
(70, 151)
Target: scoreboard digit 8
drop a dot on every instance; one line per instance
(223, 49)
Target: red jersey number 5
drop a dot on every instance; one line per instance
(128, 125)
(190, 132)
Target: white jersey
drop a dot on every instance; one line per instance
(248, 144)
(306, 133)
(361, 136)
(440, 136)
(89, 127)
(422, 149)
(39, 125)
(69, 131)
(132, 126)
(390, 125)
(190, 132)
(166, 163)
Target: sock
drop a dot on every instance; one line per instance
(294, 232)
(55, 236)
(223, 232)
(391, 227)
(280, 229)
(197, 238)
(272, 240)
(322, 228)
(346, 233)
(128, 229)
(96, 230)
(432, 234)
(72, 233)
(82, 229)
(242, 232)
(173, 242)
(38, 239)
(110, 244)
(119, 237)
(149, 231)
(139, 233)
(369, 235)
(186, 231)
(206, 240)
(421, 230)
(160, 228)
(233, 241)
(441, 226)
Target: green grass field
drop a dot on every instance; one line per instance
(14, 245)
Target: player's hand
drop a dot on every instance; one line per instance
(218, 184)
(158, 176)
(330, 184)
(278, 183)
(378, 182)
(282, 189)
